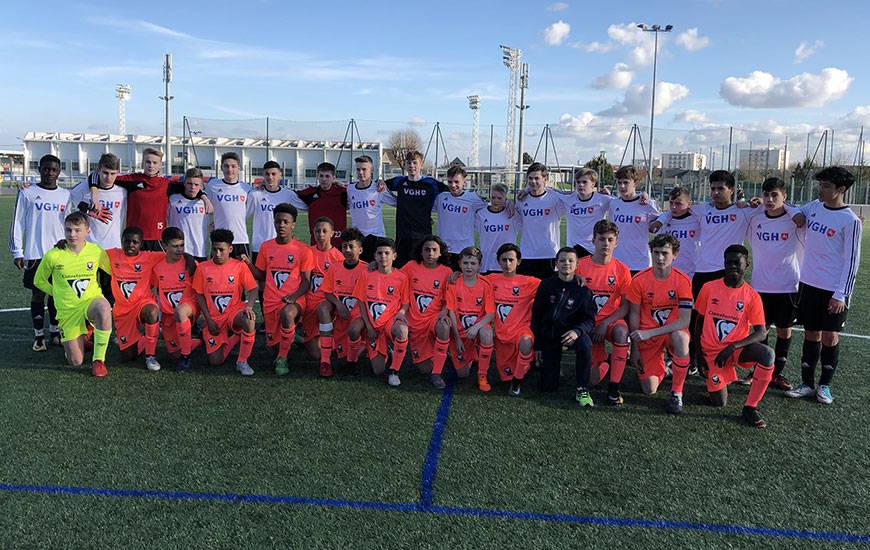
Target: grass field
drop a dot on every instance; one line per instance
(210, 459)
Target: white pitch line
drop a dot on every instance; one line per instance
(14, 309)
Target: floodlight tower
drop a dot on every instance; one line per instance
(167, 78)
(512, 59)
(656, 29)
(474, 105)
(122, 92)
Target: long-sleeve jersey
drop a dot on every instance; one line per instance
(261, 204)
(189, 216)
(230, 207)
(107, 235)
(331, 203)
(542, 215)
(777, 250)
(366, 208)
(495, 229)
(37, 223)
(833, 249)
(561, 306)
(633, 219)
(147, 202)
(414, 201)
(456, 218)
(686, 228)
(720, 228)
(582, 215)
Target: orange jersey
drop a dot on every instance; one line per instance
(172, 282)
(660, 300)
(608, 282)
(324, 260)
(513, 297)
(341, 281)
(131, 278)
(729, 313)
(383, 295)
(427, 288)
(284, 265)
(470, 303)
(223, 286)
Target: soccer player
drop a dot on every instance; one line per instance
(471, 307)
(777, 248)
(325, 256)
(685, 226)
(731, 330)
(632, 216)
(188, 213)
(230, 196)
(262, 202)
(135, 306)
(456, 211)
(542, 211)
(584, 209)
(225, 292)
(112, 200)
(339, 309)
(365, 202)
(382, 298)
(608, 279)
(513, 295)
(563, 314)
(828, 274)
(37, 225)
(69, 275)
(660, 309)
(326, 200)
(171, 278)
(496, 225)
(428, 322)
(285, 264)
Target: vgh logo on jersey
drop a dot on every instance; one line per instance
(280, 277)
(127, 288)
(600, 300)
(423, 302)
(376, 309)
(79, 286)
(503, 310)
(174, 298)
(221, 302)
(723, 328)
(661, 316)
(316, 282)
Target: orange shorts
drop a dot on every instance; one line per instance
(381, 344)
(272, 322)
(170, 327)
(214, 342)
(310, 323)
(340, 337)
(652, 357)
(599, 351)
(468, 356)
(127, 324)
(507, 353)
(421, 337)
(718, 378)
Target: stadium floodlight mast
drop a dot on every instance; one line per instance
(122, 92)
(474, 105)
(511, 57)
(167, 78)
(656, 29)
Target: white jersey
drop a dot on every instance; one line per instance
(189, 216)
(582, 216)
(833, 249)
(230, 207)
(39, 215)
(633, 219)
(720, 228)
(777, 251)
(456, 218)
(366, 208)
(687, 230)
(107, 235)
(539, 236)
(261, 203)
(495, 229)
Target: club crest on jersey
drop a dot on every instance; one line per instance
(391, 289)
(137, 267)
(90, 266)
(479, 301)
(181, 276)
(221, 302)
(436, 283)
(123, 339)
(611, 280)
(516, 290)
(715, 378)
(600, 300)
(290, 258)
(672, 294)
(467, 321)
(127, 288)
(423, 302)
(376, 309)
(211, 341)
(661, 316)
(570, 302)
(723, 328)
(326, 266)
(174, 298)
(79, 286)
(739, 306)
(231, 278)
(280, 277)
(503, 310)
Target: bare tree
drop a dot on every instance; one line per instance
(400, 144)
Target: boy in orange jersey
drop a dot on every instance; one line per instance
(171, 278)
(731, 330)
(338, 309)
(134, 302)
(513, 295)
(383, 303)
(325, 256)
(285, 265)
(472, 310)
(226, 292)
(428, 323)
(660, 308)
(608, 279)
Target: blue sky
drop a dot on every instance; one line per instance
(771, 67)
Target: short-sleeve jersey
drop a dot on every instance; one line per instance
(470, 303)
(107, 235)
(608, 282)
(173, 284)
(189, 216)
(131, 277)
(73, 276)
(456, 218)
(633, 219)
(223, 286)
(340, 281)
(324, 261)
(542, 214)
(660, 299)
(38, 218)
(513, 297)
(495, 229)
(582, 215)
(426, 290)
(382, 294)
(729, 313)
(283, 265)
(230, 207)
(260, 204)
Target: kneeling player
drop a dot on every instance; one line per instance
(660, 309)
(325, 257)
(731, 321)
(383, 303)
(69, 276)
(226, 292)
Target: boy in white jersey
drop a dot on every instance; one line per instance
(828, 274)
(39, 215)
(112, 199)
(685, 226)
(541, 211)
(496, 225)
(366, 202)
(188, 213)
(633, 217)
(229, 197)
(584, 209)
(777, 248)
(456, 210)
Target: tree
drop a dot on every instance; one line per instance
(400, 144)
(801, 171)
(605, 170)
(527, 159)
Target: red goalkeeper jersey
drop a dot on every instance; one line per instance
(147, 203)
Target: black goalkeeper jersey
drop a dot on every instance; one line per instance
(414, 205)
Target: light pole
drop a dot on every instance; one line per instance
(524, 83)
(652, 112)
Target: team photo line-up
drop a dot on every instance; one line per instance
(147, 256)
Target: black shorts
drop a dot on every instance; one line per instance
(541, 268)
(152, 246)
(700, 279)
(369, 244)
(780, 308)
(813, 310)
(404, 248)
(451, 260)
(239, 249)
(581, 251)
(105, 281)
(30, 267)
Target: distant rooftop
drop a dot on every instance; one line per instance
(200, 140)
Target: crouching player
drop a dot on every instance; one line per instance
(69, 276)
(660, 309)
(731, 328)
(382, 298)
(513, 295)
(325, 256)
(564, 315)
(226, 292)
(472, 309)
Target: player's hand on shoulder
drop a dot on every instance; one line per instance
(453, 277)
(381, 185)
(97, 212)
(654, 226)
(644, 198)
(800, 219)
(61, 244)
(570, 337)
(522, 194)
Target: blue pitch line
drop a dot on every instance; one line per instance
(430, 466)
(723, 528)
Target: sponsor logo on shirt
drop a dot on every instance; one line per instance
(626, 218)
(316, 283)
(376, 309)
(771, 236)
(681, 234)
(221, 301)
(280, 277)
(582, 210)
(720, 218)
(191, 209)
(79, 286)
(661, 315)
(223, 197)
(467, 321)
(536, 212)
(359, 205)
(174, 298)
(821, 228)
(348, 301)
(495, 227)
(600, 300)
(423, 302)
(503, 310)
(127, 288)
(49, 206)
(723, 328)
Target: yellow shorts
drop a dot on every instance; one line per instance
(73, 322)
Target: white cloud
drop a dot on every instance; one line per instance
(576, 123)
(416, 121)
(558, 6)
(642, 55)
(626, 33)
(691, 41)
(859, 116)
(98, 71)
(636, 100)
(619, 78)
(691, 116)
(556, 33)
(599, 47)
(763, 90)
(804, 50)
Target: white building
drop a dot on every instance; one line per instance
(762, 159)
(80, 152)
(684, 161)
